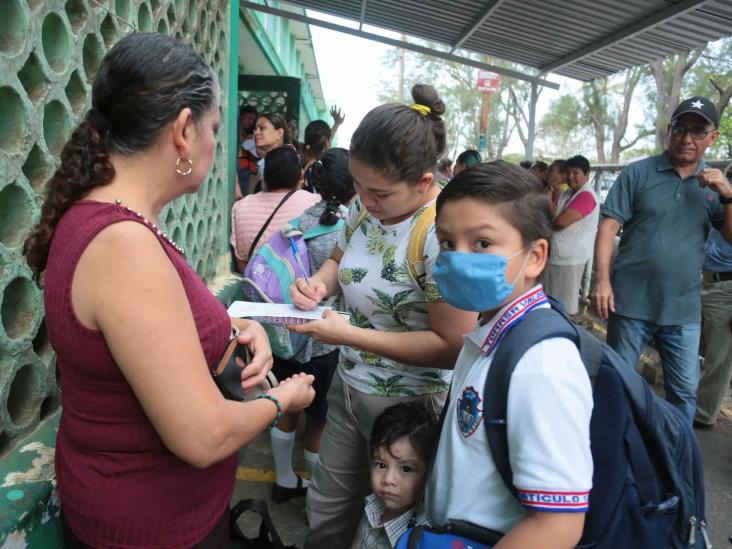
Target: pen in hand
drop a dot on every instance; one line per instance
(298, 260)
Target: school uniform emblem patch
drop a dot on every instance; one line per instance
(469, 415)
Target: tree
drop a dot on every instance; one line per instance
(632, 78)
(563, 130)
(668, 75)
(602, 110)
(712, 78)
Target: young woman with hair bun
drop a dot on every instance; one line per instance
(403, 338)
(147, 446)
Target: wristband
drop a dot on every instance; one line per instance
(276, 420)
(725, 201)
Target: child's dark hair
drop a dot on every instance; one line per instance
(580, 162)
(247, 109)
(541, 166)
(282, 168)
(406, 419)
(469, 158)
(521, 197)
(317, 134)
(279, 123)
(333, 181)
(399, 141)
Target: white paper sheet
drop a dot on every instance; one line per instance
(276, 313)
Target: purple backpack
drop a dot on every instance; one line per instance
(273, 269)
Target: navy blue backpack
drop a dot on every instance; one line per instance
(648, 482)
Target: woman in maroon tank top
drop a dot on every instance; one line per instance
(146, 449)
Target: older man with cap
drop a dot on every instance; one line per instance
(665, 205)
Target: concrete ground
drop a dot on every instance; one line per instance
(255, 476)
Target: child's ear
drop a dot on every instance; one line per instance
(538, 254)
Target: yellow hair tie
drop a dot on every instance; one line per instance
(424, 110)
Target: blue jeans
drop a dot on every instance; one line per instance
(678, 346)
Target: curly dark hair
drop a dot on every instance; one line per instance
(143, 83)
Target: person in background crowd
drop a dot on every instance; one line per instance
(247, 152)
(147, 446)
(270, 132)
(293, 131)
(716, 326)
(338, 119)
(402, 339)
(318, 138)
(284, 197)
(247, 122)
(334, 184)
(444, 171)
(525, 164)
(539, 170)
(665, 205)
(402, 444)
(556, 179)
(575, 227)
(466, 160)
(493, 225)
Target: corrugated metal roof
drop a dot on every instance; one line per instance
(582, 39)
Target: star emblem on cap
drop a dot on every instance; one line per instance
(697, 104)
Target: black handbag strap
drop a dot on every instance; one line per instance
(266, 224)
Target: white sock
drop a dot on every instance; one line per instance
(282, 446)
(311, 458)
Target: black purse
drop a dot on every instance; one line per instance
(267, 538)
(227, 373)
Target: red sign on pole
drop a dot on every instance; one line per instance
(488, 82)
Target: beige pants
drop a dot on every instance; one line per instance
(563, 283)
(717, 349)
(341, 479)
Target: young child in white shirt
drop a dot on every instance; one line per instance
(494, 225)
(402, 442)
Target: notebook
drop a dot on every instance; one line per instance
(277, 313)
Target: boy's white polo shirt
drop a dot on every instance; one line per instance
(548, 423)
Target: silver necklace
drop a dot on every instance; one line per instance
(153, 226)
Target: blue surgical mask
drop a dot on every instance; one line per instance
(473, 281)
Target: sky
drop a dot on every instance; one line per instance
(351, 76)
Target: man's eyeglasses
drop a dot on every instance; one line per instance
(698, 132)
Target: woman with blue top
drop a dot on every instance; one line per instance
(403, 338)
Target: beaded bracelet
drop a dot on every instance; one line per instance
(276, 420)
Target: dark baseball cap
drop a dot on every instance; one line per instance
(698, 105)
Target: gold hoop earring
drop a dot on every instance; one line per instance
(186, 171)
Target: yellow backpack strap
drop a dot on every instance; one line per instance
(362, 215)
(417, 238)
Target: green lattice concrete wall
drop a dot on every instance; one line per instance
(50, 51)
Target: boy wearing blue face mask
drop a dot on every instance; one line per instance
(494, 225)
